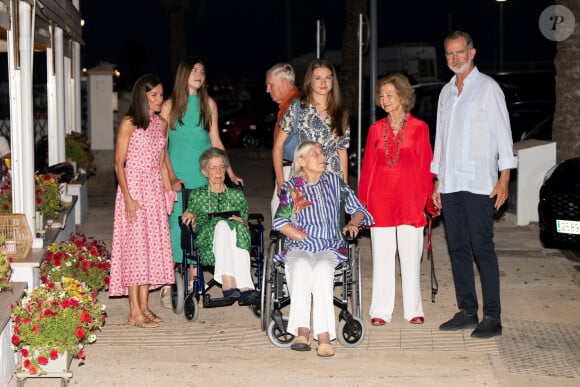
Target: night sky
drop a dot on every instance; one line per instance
(242, 38)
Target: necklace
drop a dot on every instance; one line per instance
(395, 140)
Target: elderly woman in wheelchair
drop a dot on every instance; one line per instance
(220, 216)
(309, 216)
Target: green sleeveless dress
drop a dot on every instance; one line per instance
(186, 143)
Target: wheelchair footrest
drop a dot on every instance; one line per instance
(209, 302)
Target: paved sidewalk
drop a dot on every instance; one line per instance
(540, 345)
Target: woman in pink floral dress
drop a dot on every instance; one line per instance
(141, 257)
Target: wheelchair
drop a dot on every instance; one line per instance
(275, 296)
(186, 301)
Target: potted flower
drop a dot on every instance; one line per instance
(83, 258)
(46, 193)
(55, 321)
(78, 149)
(5, 265)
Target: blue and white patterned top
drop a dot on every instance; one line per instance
(312, 127)
(315, 210)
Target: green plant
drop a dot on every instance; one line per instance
(54, 318)
(78, 149)
(46, 194)
(83, 258)
(5, 264)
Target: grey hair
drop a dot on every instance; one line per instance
(282, 71)
(210, 154)
(457, 35)
(301, 151)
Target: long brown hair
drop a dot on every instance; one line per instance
(180, 94)
(139, 107)
(336, 111)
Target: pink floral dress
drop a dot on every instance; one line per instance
(141, 252)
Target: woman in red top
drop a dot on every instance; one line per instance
(395, 183)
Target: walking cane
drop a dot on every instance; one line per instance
(432, 213)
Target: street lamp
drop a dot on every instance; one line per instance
(500, 33)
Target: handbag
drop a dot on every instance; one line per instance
(431, 209)
(292, 141)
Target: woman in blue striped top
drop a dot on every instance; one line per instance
(308, 215)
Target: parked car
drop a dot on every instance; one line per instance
(559, 206)
(249, 126)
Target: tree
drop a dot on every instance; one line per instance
(349, 70)
(566, 126)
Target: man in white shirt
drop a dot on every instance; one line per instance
(472, 143)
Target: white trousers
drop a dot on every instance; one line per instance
(286, 171)
(384, 244)
(229, 259)
(310, 279)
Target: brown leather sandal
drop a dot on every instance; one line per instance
(325, 350)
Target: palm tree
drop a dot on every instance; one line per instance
(566, 127)
(176, 10)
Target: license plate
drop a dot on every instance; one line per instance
(567, 226)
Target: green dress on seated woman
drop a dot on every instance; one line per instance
(202, 202)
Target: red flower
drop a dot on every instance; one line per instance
(86, 317)
(42, 360)
(33, 370)
(26, 363)
(24, 352)
(15, 340)
(54, 354)
(36, 330)
(47, 313)
(80, 333)
(26, 320)
(16, 329)
(81, 354)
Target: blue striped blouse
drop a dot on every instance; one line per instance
(315, 210)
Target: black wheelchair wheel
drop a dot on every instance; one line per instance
(351, 335)
(177, 292)
(267, 287)
(279, 338)
(191, 307)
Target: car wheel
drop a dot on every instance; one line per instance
(250, 141)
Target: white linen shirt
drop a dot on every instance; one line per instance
(473, 140)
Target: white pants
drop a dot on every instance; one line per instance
(286, 171)
(310, 279)
(229, 259)
(384, 242)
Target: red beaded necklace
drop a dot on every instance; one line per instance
(397, 138)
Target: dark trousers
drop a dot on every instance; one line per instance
(468, 222)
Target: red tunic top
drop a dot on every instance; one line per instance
(396, 194)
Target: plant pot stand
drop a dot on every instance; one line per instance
(58, 368)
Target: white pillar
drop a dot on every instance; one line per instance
(75, 85)
(101, 106)
(22, 123)
(56, 133)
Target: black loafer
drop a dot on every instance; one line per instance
(233, 293)
(461, 320)
(488, 327)
(249, 297)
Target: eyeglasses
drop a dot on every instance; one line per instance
(217, 168)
